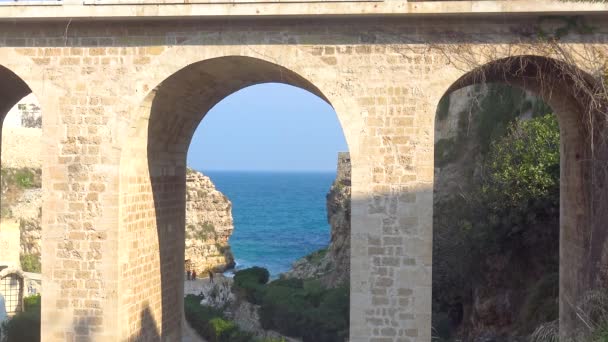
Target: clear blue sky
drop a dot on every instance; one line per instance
(268, 127)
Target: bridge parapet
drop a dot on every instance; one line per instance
(172, 9)
(31, 3)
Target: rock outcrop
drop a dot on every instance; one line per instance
(208, 225)
(332, 265)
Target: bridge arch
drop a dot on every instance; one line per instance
(153, 172)
(572, 94)
(12, 89)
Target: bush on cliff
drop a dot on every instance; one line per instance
(249, 283)
(296, 307)
(306, 309)
(511, 210)
(30, 263)
(24, 326)
(211, 324)
(522, 168)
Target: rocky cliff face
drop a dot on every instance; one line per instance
(208, 225)
(332, 265)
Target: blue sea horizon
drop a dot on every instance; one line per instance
(279, 216)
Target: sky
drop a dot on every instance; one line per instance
(268, 127)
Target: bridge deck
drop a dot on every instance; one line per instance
(148, 9)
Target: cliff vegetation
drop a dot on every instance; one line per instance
(496, 217)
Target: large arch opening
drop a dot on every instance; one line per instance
(20, 206)
(153, 183)
(569, 93)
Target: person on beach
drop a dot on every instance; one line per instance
(188, 274)
(193, 275)
(211, 277)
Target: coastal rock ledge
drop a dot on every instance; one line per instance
(209, 224)
(332, 265)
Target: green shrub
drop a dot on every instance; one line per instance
(210, 323)
(258, 275)
(249, 283)
(30, 263)
(600, 333)
(316, 256)
(24, 326)
(306, 310)
(523, 166)
(25, 178)
(510, 205)
(32, 303)
(293, 307)
(221, 329)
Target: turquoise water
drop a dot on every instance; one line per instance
(278, 217)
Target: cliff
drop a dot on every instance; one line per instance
(208, 225)
(332, 265)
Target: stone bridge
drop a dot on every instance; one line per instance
(123, 84)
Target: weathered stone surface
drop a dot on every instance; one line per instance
(208, 226)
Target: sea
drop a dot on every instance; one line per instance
(279, 217)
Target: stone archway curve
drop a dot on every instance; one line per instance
(153, 167)
(297, 59)
(12, 89)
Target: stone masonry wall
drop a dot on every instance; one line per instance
(21, 147)
(115, 141)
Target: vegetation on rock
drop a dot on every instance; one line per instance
(249, 283)
(211, 324)
(31, 263)
(496, 240)
(298, 308)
